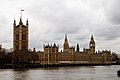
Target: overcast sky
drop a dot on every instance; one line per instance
(49, 20)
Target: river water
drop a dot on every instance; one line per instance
(62, 73)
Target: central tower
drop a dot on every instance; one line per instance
(66, 45)
(20, 36)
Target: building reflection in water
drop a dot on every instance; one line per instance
(62, 73)
(21, 74)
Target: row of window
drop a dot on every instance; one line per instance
(23, 37)
(51, 59)
(23, 47)
(51, 51)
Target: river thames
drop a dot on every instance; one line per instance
(62, 73)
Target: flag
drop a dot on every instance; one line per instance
(22, 10)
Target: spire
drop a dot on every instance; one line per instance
(92, 39)
(20, 20)
(14, 22)
(54, 45)
(66, 38)
(34, 50)
(0, 46)
(77, 48)
(66, 44)
(27, 22)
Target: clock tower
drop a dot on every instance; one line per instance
(92, 45)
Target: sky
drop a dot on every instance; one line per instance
(50, 20)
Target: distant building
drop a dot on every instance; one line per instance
(51, 55)
(20, 36)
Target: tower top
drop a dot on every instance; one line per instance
(66, 38)
(27, 22)
(92, 39)
(14, 21)
(20, 20)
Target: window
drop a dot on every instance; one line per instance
(17, 47)
(23, 47)
(23, 37)
(53, 51)
(17, 37)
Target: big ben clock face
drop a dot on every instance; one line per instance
(90, 44)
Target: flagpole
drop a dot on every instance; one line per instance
(21, 12)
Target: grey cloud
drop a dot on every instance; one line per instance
(113, 12)
(109, 33)
(3, 21)
(78, 21)
(51, 19)
(61, 19)
(5, 33)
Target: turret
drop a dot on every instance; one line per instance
(66, 40)
(34, 50)
(77, 50)
(0, 47)
(27, 25)
(20, 22)
(27, 22)
(14, 34)
(14, 22)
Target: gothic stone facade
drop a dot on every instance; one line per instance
(51, 55)
(20, 36)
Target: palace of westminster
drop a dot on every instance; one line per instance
(51, 54)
